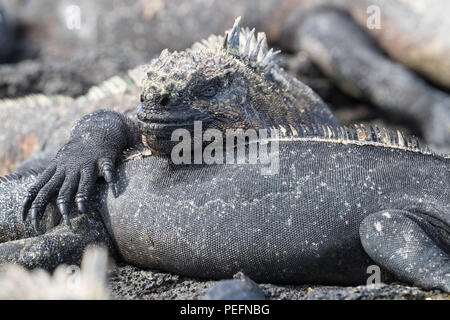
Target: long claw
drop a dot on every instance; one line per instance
(26, 206)
(34, 189)
(113, 188)
(35, 216)
(65, 210)
(108, 174)
(82, 205)
(35, 224)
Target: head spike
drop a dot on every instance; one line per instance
(248, 43)
(235, 34)
(263, 48)
(254, 54)
(265, 45)
(267, 58)
(244, 44)
(164, 54)
(225, 41)
(270, 59)
(401, 139)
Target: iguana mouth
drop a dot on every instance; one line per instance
(155, 126)
(165, 124)
(159, 122)
(169, 120)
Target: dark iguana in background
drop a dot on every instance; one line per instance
(147, 27)
(122, 35)
(343, 199)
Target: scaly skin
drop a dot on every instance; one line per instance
(311, 223)
(23, 134)
(343, 199)
(365, 73)
(241, 87)
(227, 83)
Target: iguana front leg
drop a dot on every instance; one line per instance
(393, 239)
(95, 143)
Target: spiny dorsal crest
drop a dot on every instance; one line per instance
(242, 43)
(358, 134)
(14, 177)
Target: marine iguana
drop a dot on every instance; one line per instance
(343, 198)
(231, 82)
(24, 134)
(355, 63)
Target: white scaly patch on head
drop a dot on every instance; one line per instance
(169, 71)
(242, 44)
(172, 71)
(175, 74)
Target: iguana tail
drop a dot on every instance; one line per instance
(18, 241)
(13, 189)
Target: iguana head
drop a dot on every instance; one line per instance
(222, 82)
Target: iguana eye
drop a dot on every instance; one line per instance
(142, 98)
(209, 91)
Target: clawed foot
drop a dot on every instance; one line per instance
(71, 176)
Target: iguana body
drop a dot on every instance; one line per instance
(306, 224)
(344, 199)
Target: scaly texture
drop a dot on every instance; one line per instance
(280, 99)
(344, 199)
(362, 70)
(43, 123)
(227, 82)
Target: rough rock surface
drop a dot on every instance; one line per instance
(128, 282)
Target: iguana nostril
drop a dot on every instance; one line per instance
(164, 101)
